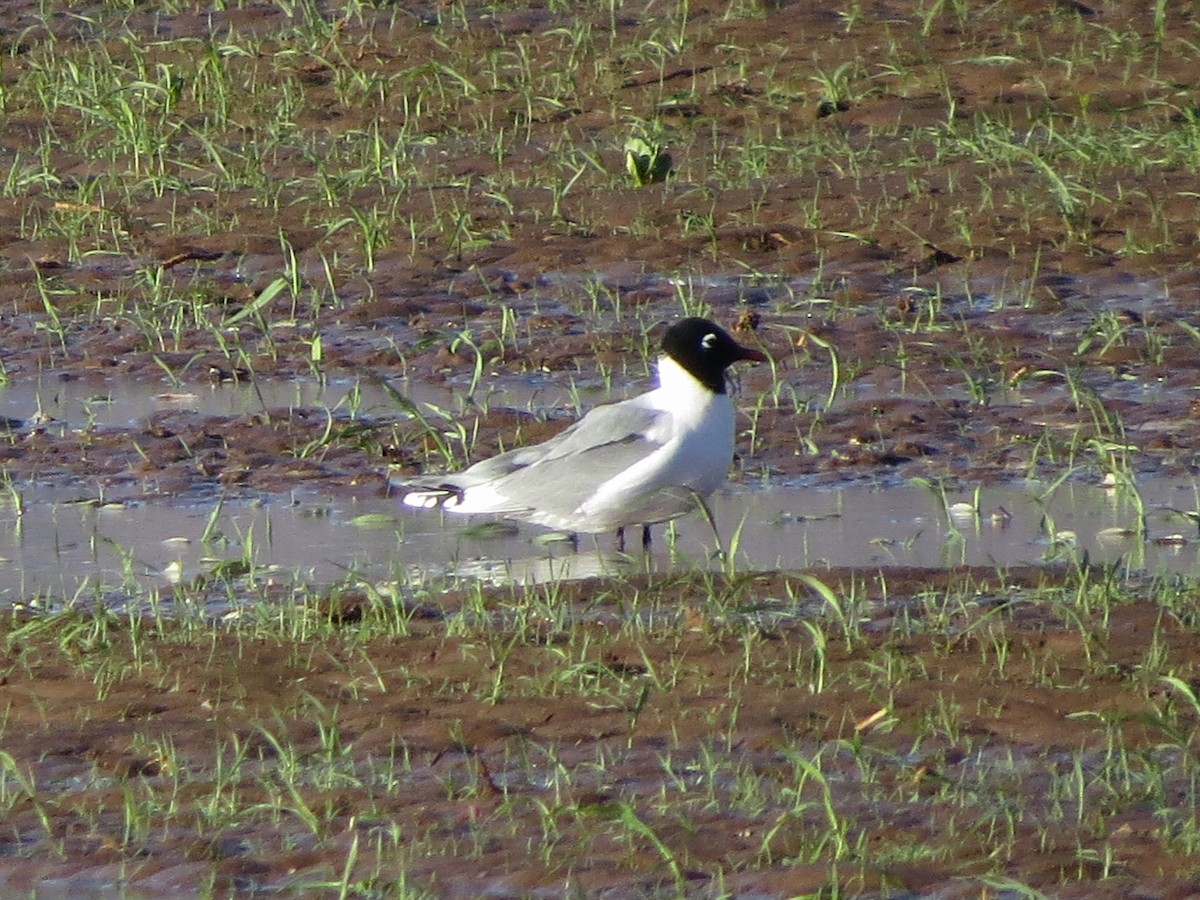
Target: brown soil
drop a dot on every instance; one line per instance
(985, 332)
(519, 792)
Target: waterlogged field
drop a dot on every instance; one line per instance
(254, 256)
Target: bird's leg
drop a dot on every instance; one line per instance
(645, 538)
(621, 539)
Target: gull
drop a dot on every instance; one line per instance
(642, 461)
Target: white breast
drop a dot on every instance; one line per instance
(697, 448)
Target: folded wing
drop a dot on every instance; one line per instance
(556, 477)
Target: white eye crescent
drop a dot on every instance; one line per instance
(708, 341)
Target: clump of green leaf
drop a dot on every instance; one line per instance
(646, 163)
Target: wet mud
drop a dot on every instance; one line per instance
(695, 728)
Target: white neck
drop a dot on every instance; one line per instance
(679, 388)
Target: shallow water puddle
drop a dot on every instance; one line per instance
(82, 402)
(62, 538)
(55, 547)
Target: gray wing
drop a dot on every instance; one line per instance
(434, 490)
(560, 474)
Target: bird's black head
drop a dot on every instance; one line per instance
(705, 350)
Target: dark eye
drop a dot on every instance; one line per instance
(708, 341)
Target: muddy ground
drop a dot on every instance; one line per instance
(992, 318)
(165, 760)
